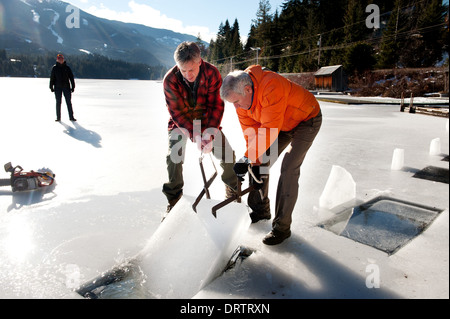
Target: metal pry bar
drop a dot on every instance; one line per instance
(207, 183)
(236, 197)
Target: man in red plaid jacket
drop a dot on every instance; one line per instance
(192, 92)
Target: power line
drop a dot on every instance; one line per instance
(335, 47)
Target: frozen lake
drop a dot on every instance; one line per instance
(110, 167)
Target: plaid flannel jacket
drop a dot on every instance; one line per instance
(203, 102)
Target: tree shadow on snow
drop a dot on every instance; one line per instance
(80, 133)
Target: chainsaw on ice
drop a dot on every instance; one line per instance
(21, 181)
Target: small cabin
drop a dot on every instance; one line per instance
(331, 78)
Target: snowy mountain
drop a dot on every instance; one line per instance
(30, 26)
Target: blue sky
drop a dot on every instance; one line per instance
(185, 16)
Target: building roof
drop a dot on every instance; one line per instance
(327, 70)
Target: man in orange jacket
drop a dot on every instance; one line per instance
(273, 112)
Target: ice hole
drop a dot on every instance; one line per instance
(384, 223)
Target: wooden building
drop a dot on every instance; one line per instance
(331, 78)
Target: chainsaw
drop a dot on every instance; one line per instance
(21, 181)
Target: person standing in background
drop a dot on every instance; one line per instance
(62, 82)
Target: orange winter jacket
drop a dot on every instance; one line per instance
(278, 105)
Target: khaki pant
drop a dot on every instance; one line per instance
(222, 150)
(301, 138)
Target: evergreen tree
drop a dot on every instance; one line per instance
(263, 24)
(236, 49)
(424, 45)
(354, 21)
(389, 53)
(359, 58)
(274, 48)
(307, 34)
(201, 45)
(235, 40)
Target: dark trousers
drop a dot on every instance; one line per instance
(68, 97)
(300, 138)
(222, 150)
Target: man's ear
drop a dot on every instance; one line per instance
(248, 89)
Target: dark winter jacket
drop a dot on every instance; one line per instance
(203, 102)
(61, 77)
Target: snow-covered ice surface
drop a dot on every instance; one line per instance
(110, 167)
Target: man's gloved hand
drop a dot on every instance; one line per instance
(241, 168)
(258, 178)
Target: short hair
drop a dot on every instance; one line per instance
(235, 82)
(187, 52)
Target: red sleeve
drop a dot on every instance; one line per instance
(175, 102)
(215, 104)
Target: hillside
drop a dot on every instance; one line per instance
(33, 26)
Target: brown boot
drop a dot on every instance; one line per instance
(171, 204)
(257, 216)
(276, 237)
(229, 192)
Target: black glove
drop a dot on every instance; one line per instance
(52, 89)
(73, 90)
(241, 168)
(258, 178)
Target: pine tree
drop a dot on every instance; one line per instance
(263, 24)
(424, 45)
(274, 48)
(236, 49)
(354, 21)
(389, 53)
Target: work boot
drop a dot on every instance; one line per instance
(276, 237)
(256, 217)
(171, 204)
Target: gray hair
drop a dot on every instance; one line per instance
(187, 52)
(235, 82)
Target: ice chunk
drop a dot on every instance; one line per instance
(189, 250)
(435, 146)
(398, 159)
(339, 189)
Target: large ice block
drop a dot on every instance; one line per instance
(435, 146)
(339, 189)
(398, 159)
(191, 249)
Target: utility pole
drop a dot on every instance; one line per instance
(396, 23)
(319, 43)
